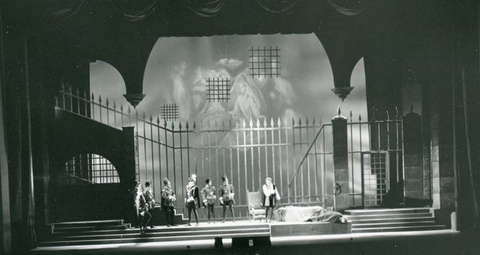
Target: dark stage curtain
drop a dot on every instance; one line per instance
(205, 8)
(65, 9)
(277, 6)
(349, 7)
(135, 10)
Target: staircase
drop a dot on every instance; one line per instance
(392, 220)
(115, 231)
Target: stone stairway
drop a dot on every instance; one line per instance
(392, 220)
(115, 231)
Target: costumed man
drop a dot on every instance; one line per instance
(168, 202)
(192, 200)
(142, 209)
(270, 198)
(148, 193)
(227, 193)
(208, 198)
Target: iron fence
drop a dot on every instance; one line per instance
(296, 154)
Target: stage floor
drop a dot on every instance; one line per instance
(281, 244)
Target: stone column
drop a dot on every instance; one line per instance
(340, 161)
(5, 221)
(413, 158)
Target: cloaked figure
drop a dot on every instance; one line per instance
(246, 99)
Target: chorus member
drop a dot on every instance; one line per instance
(208, 198)
(192, 200)
(270, 197)
(168, 202)
(227, 193)
(150, 200)
(142, 209)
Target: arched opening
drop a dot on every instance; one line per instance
(85, 169)
(88, 188)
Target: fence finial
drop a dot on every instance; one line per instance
(158, 121)
(293, 122)
(299, 121)
(107, 103)
(93, 97)
(264, 122)
(244, 124)
(151, 118)
(258, 123)
(339, 111)
(180, 125)
(388, 115)
(114, 105)
(250, 123)
(194, 125)
(100, 99)
(271, 122)
(396, 113)
(279, 122)
(359, 117)
(306, 121)
(351, 115)
(186, 125)
(411, 108)
(314, 121)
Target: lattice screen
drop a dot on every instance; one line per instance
(169, 112)
(88, 169)
(264, 62)
(375, 177)
(218, 89)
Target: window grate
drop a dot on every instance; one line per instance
(218, 89)
(264, 62)
(169, 112)
(375, 178)
(88, 169)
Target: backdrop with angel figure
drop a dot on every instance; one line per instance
(178, 69)
(263, 139)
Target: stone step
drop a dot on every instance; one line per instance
(386, 211)
(146, 238)
(393, 224)
(77, 229)
(387, 216)
(397, 229)
(375, 220)
(177, 229)
(59, 225)
(135, 233)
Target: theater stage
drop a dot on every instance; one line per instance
(412, 242)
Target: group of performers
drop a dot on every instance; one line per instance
(195, 199)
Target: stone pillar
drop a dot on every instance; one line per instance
(413, 160)
(340, 161)
(128, 175)
(5, 221)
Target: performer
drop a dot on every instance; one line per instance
(208, 198)
(192, 200)
(270, 197)
(227, 193)
(142, 209)
(135, 217)
(168, 202)
(150, 201)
